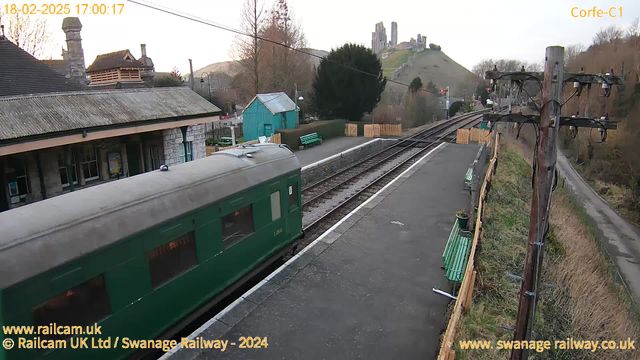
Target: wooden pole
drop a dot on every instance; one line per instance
(541, 200)
(469, 294)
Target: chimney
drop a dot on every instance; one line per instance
(74, 55)
(148, 72)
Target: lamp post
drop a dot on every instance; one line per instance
(297, 97)
(208, 83)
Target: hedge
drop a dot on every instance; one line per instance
(326, 129)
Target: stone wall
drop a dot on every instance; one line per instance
(173, 153)
(332, 165)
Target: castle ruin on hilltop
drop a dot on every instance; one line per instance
(379, 40)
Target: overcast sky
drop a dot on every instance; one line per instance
(468, 31)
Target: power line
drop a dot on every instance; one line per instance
(239, 32)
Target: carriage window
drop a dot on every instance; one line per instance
(293, 195)
(275, 206)
(236, 226)
(172, 259)
(82, 305)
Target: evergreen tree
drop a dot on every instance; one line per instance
(415, 85)
(340, 92)
(431, 87)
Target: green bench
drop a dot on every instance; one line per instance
(310, 139)
(468, 177)
(456, 254)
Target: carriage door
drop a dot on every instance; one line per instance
(294, 218)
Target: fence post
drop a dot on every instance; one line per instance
(474, 194)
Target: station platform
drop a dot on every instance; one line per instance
(364, 288)
(329, 147)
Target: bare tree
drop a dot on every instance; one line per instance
(29, 32)
(247, 50)
(634, 28)
(482, 67)
(610, 34)
(571, 52)
(284, 66)
(533, 67)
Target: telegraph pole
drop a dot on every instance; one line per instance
(546, 126)
(191, 74)
(542, 190)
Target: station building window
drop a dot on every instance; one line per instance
(62, 168)
(82, 305)
(293, 196)
(89, 163)
(157, 156)
(237, 225)
(172, 259)
(17, 179)
(275, 206)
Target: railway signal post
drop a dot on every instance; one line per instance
(547, 125)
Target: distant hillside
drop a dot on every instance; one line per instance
(231, 67)
(429, 65)
(314, 60)
(226, 67)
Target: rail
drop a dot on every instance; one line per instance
(402, 142)
(387, 173)
(463, 301)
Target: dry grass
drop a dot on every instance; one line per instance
(589, 303)
(597, 304)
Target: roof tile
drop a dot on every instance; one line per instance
(113, 60)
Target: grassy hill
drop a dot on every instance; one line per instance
(231, 67)
(395, 60)
(431, 65)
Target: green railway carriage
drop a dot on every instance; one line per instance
(137, 255)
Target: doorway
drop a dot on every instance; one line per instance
(133, 159)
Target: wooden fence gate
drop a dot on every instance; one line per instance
(351, 130)
(372, 130)
(462, 136)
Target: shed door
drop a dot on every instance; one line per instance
(268, 129)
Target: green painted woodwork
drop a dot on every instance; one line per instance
(140, 312)
(310, 139)
(2, 350)
(258, 121)
(468, 176)
(456, 254)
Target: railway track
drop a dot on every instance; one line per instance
(324, 203)
(330, 199)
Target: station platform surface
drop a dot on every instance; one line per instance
(364, 288)
(328, 148)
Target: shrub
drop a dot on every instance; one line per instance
(326, 129)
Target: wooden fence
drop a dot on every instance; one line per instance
(479, 135)
(377, 130)
(274, 139)
(391, 129)
(351, 130)
(462, 136)
(465, 294)
(372, 130)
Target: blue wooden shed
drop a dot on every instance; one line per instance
(267, 113)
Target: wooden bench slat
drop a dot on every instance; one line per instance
(310, 139)
(456, 254)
